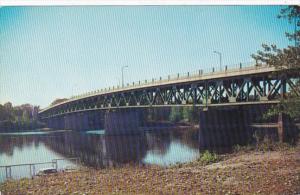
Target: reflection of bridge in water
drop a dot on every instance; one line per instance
(94, 150)
(103, 151)
(100, 151)
(230, 99)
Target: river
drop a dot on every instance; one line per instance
(95, 149)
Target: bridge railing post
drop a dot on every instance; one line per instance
(200, 72)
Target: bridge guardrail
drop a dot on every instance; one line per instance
(172, 77)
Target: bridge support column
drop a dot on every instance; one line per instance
(122, 122)
(95, 120)
(73, 120)
(84, 121)
(81, 121)
(48, 122)
(287, 130)
(224, 127)
(67, 121)
(55, 123)
(61, 123)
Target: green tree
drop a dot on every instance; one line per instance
(6, 112)
(8, 106)
(287, 60)
(25, 116)
(176, 114)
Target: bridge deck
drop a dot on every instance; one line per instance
(230, 73)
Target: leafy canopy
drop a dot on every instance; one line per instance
(286, 59)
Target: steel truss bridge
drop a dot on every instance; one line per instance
(258, 84)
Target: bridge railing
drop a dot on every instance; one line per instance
(171, 77)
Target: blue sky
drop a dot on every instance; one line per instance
(55, 52)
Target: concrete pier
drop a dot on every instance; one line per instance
(223, 127)
(77, 121)
(118, 122)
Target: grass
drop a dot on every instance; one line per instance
(264, 145)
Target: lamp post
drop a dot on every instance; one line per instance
(118, 79)
(123, 74)
(220, 55)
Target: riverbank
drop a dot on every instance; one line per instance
(243, 172)
(34, 132)
(20, 126)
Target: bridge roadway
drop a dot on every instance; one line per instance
(240, 86)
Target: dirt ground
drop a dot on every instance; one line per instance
(275, 172)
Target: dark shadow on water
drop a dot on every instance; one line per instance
(95, 149)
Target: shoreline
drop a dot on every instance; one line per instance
(36, 131)
(242, 172)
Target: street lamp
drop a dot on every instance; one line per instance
(123, 74)
(220, 55)
(118, 79)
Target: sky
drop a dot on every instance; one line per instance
(56, 52)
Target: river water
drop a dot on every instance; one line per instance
(95, 149)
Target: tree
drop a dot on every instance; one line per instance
(4, 115)
(25, 116)
(176, 114)
(8, 106)
(287, 60)
(6, 111)
(15, 118)
(288, 57)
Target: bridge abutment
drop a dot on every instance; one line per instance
(118, 122)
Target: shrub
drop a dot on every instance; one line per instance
(208, 157)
